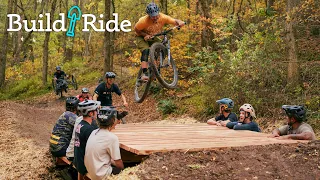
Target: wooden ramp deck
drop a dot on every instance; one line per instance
(144, 139)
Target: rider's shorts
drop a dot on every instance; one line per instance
(142, 44)
(61, 152)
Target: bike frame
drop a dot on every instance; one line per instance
(166, 43)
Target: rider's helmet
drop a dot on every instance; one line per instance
(72, 103)
(298, 112)
(249, 109)
(85, 90)
(58, 68)
(88, 105)
(106, 116)
(152, 10)
(110, 75)
(226, 103)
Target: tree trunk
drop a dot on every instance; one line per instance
(35, 5)
(270, 4)
(87, 43)
(86, 36)
(112, 36)
(68, 44)
(197, 7)
(46, 46)
(37, 18)
(14, 34)
(107, 38)
(164, 6)
(215, 3)
(64, 44)
(207, 35)
(3, 55)
(18, 45)
(293, 68)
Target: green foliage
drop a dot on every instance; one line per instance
(313, 119)
(247, 75)
(197, 104)
(166, 106)
(315, 31)
(155, 89)
(25, 88)
(204, 63)
(313, 104)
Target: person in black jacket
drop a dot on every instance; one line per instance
(225, 107)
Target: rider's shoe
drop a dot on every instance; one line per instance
(145, 77)
(56, 91)
(138, 83)
(122, 114)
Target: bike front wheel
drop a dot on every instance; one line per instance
(141, 87)
(165, 71)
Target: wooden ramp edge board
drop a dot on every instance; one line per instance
(144, 139)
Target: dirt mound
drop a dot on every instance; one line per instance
(255, 162)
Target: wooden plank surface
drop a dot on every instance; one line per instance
(144, 139)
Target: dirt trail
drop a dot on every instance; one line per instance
(24, 139)
(26, 128)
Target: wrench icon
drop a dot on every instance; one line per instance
(74, 17)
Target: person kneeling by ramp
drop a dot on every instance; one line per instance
(103, 156)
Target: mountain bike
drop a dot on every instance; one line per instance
(61, 85)
(161, 66)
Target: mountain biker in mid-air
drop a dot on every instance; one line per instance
(146, 27)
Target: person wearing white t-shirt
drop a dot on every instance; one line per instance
(103, 156)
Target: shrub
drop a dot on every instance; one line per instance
(166, 107)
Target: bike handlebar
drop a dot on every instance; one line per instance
(167, 31)
(114, 107)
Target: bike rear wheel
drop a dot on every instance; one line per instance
(53, 86)
(74, 82)
(141, 87)
(167, 74)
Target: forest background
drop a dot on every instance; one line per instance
(262, 52)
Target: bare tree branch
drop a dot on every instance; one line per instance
(29, 34)
(239, 19)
